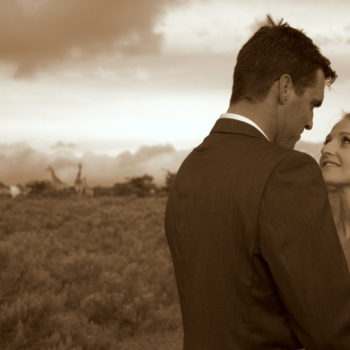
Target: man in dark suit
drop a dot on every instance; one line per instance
(257, 259)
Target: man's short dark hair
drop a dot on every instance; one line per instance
(274, 50)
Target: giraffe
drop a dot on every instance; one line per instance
(78, 183)
(56, 182)
(88, 191)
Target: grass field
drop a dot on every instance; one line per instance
(88, 273)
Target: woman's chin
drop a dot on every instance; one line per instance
(331, 182)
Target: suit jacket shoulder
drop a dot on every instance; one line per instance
(257, 261)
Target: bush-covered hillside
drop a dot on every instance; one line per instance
(88, 273)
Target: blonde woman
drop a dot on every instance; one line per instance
(335, 166)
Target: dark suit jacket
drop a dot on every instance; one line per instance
(257, 259)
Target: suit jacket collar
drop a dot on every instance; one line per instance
(231, 126)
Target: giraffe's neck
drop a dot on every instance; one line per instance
(78, 176)
(54, 177)
(78, 179)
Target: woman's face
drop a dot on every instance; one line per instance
(335, 159)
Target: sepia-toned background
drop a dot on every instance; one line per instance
(133, 86)
(126, 89)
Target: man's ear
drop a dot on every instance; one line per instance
(285, 89)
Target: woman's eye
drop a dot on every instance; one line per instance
(326, 141)
(346, 140)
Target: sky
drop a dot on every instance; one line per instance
(130, 87)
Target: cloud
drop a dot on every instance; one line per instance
(38, 33)
(20, 163)
(184, 72)
(312, 148)
(340, 62)
(63, 146)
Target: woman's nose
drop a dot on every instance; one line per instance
(327, 149)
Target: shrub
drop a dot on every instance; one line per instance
(102, 191)
(169, 178)
(123, 189)
(84, 274)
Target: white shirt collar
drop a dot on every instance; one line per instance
(245, 120)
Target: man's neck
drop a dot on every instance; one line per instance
(259, 113)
